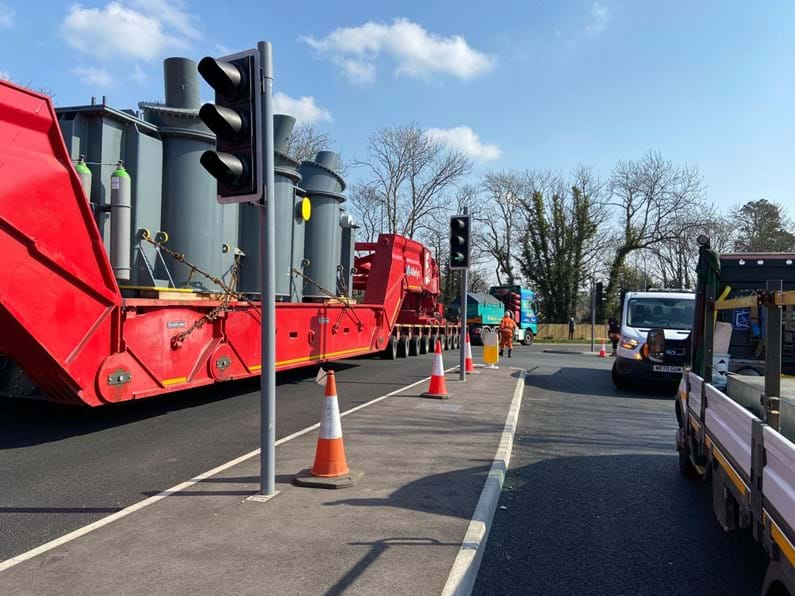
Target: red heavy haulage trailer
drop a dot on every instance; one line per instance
(64, 321)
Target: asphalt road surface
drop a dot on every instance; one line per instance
(64, 467)
(594, 502)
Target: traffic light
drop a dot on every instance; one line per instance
(236, 120)
(599, 293)
(460, 233)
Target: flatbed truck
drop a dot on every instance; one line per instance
(741, 451)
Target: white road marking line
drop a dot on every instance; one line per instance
(73, 535)
(467, 563)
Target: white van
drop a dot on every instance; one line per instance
(671, 310)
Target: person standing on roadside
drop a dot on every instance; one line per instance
(613, 332)
(572, 325)
(507, 327)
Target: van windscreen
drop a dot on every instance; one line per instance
(668, 313)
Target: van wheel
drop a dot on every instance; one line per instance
(621, 383)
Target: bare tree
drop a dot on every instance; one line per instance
(306, 141)
(411, 174)
(367, 210)
(654, 201)
(499, 221)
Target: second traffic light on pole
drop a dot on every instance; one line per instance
(460, 241)
(236, 120)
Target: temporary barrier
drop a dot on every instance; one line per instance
(491, 348)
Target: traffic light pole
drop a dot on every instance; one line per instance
(462, 375)
(267, 284)
(593, 313)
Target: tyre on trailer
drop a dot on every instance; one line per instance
(403, 347)
(446, 342)
(779, 579)
(434, 337)
(456, 341)
(390, 351)
(414, 345)
(528, 338)
(424, 344)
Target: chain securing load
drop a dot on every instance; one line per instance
(229, 292)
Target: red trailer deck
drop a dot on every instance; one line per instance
(64, 321)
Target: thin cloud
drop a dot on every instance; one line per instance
(600, 16)
(415, 51)
(303, 109)
(6, 16)
(96, 77)
(138, 75)
(464, 139)
(5, 75)
(143, 30)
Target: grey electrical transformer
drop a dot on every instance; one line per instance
(192, 218)
(289, 222)
(103, 136)
(322, 247)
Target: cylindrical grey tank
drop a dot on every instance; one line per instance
(322, 245)
(349, 228)
(182, 84)
(289, 224)
(191, 215)
(120, 222)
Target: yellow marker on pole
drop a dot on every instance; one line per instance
(491, 348)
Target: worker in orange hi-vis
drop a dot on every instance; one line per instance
(507, 327)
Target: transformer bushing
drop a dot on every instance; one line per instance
(197, 226)
(322, 245)
(289, 223)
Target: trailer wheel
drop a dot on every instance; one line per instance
(424, 343)
(414, 346)
(446, 342)
(528, 338)
(778, 580)
(403, 347)
(390, 351)
(685, 465)
(456, 342)
(434, 337)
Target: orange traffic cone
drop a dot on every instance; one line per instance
(468, 366)
(438, 387)
(602, 350)
(330, 469)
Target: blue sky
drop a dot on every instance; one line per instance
(517, 85)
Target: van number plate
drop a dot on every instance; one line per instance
(666, 369)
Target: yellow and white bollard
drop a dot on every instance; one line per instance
(491, 348)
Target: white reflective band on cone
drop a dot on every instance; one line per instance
(330, 426)
(469, 350)
(438, 367)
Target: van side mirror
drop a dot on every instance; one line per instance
(655, 345)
